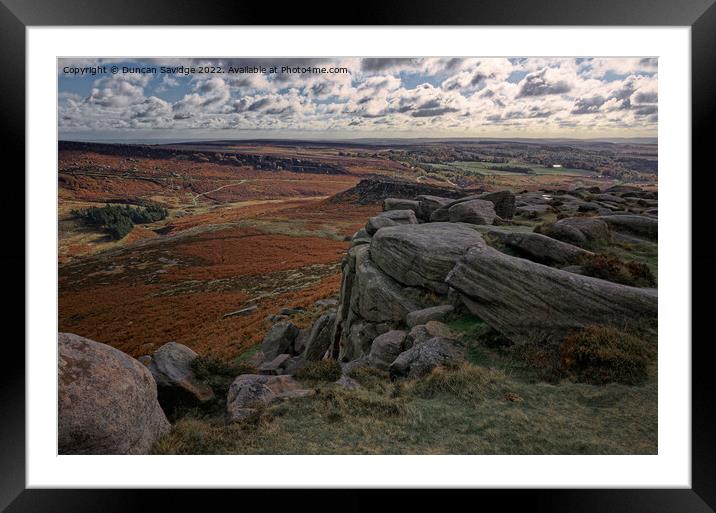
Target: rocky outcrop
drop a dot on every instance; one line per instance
(525, 286)
(176, 384)
(371, 190)
(107, 400)
(527, 301)
(250, 392)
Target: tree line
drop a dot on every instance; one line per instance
(119, 220)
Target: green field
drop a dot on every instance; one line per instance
(483, 168)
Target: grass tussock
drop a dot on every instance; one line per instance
(376, 380)
(322, 370)
(466, 382)
(601, 354)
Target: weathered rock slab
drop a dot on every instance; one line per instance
(527, 301)
(536, 247)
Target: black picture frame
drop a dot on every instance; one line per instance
(700, 15)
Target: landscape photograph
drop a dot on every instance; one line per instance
(410, 256)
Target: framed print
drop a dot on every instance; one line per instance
(420, 254)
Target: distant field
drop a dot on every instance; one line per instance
(484, 168)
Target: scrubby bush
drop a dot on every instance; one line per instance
(119, 220)
(602, 354)
(323, 370)
(612, 268)
(219, 375)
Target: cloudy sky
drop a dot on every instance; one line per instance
(368, 97)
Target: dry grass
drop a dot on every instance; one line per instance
(321, 371)
(467, 410)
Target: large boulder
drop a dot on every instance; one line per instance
(249, 392)
(176, 384)
(422, 255)
(433, 313)
(386, 348)
(279, 339)
(429, 204)
(107, 400)
(376, 297)
(527, 301)
(390, 218)
(320, 337)
(420, 359)
(535, 246)
(641, 226)
(473, 212)
(585, 232)
(400, 204)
